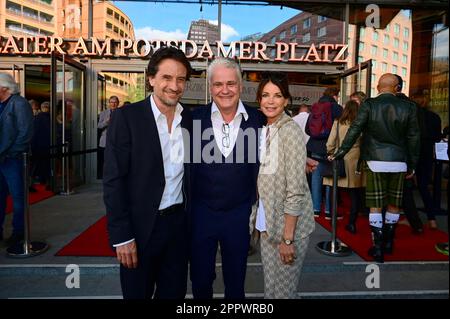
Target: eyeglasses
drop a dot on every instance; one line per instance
(226, 135)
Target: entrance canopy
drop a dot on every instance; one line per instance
(357, 10)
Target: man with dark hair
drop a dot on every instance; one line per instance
(16, 131)
(145, 180)
(390, 149)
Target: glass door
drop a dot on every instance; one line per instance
(358, 78)
(68, 123)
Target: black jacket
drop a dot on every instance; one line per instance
(133, 178)
(391, 131)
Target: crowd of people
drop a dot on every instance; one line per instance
(181, 185)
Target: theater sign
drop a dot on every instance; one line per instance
(142, 48)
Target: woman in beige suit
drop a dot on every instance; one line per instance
(352, 181)
(284, 214)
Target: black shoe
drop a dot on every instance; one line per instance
(14, 239)
(317, 214)
(31, 189)
(351, 228)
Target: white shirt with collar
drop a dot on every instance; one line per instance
(218, 122)
(172, 150)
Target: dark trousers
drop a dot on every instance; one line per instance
(230, 229)
(100, 161)
(355, 199)
(424, 171)
(162, 263)
(409, 206)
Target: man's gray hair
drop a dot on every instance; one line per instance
(7, 81)
(227, 63)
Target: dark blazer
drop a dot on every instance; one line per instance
(227, 197)
(133, 180)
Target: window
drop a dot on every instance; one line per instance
(385, 53)
(396, 42)
(273, 40)
(282, 35)
(396, 29)
(386, 39)
(109, 26)
(388, 28)
(373, 78)
(360, 59)
(394, 69)
(362, 32)
(404, 58)
(374, 64)
(384, 67)
(294, 29)
(395, 56)
(372, 92)
(375, 36)
(405, 46)
(321, 31)
(321, 19)
(361, 46)
(306, 37)
(404, 72)
(406, 32)
(307, 23)
(374, 50)
(116, 16)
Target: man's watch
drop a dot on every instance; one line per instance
(288, 241)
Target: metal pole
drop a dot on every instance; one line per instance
(219, 18)
(26, 248)
(63, 140)
(333, 247)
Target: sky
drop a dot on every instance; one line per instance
(168, 20)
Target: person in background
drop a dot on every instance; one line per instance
(316, 145)
(40, 145)
(301, 118)
(391, 151)
(352, 182)
(35, 107)
(358, 97)
(103, 123)
(284, 214)
(146, 183)
(430, 134)
(16, 131)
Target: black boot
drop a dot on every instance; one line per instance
(388, 237)
(376, 251)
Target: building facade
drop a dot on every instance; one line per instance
(202, 30)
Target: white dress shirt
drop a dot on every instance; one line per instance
(172, 150)
(234, 125)
(301, 119)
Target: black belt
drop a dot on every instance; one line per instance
(170, 210)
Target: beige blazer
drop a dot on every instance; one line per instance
(282, 185)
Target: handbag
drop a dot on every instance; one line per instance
(327, 168)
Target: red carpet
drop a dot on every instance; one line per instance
(33, 198)
(408, 247)
(92, 242)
